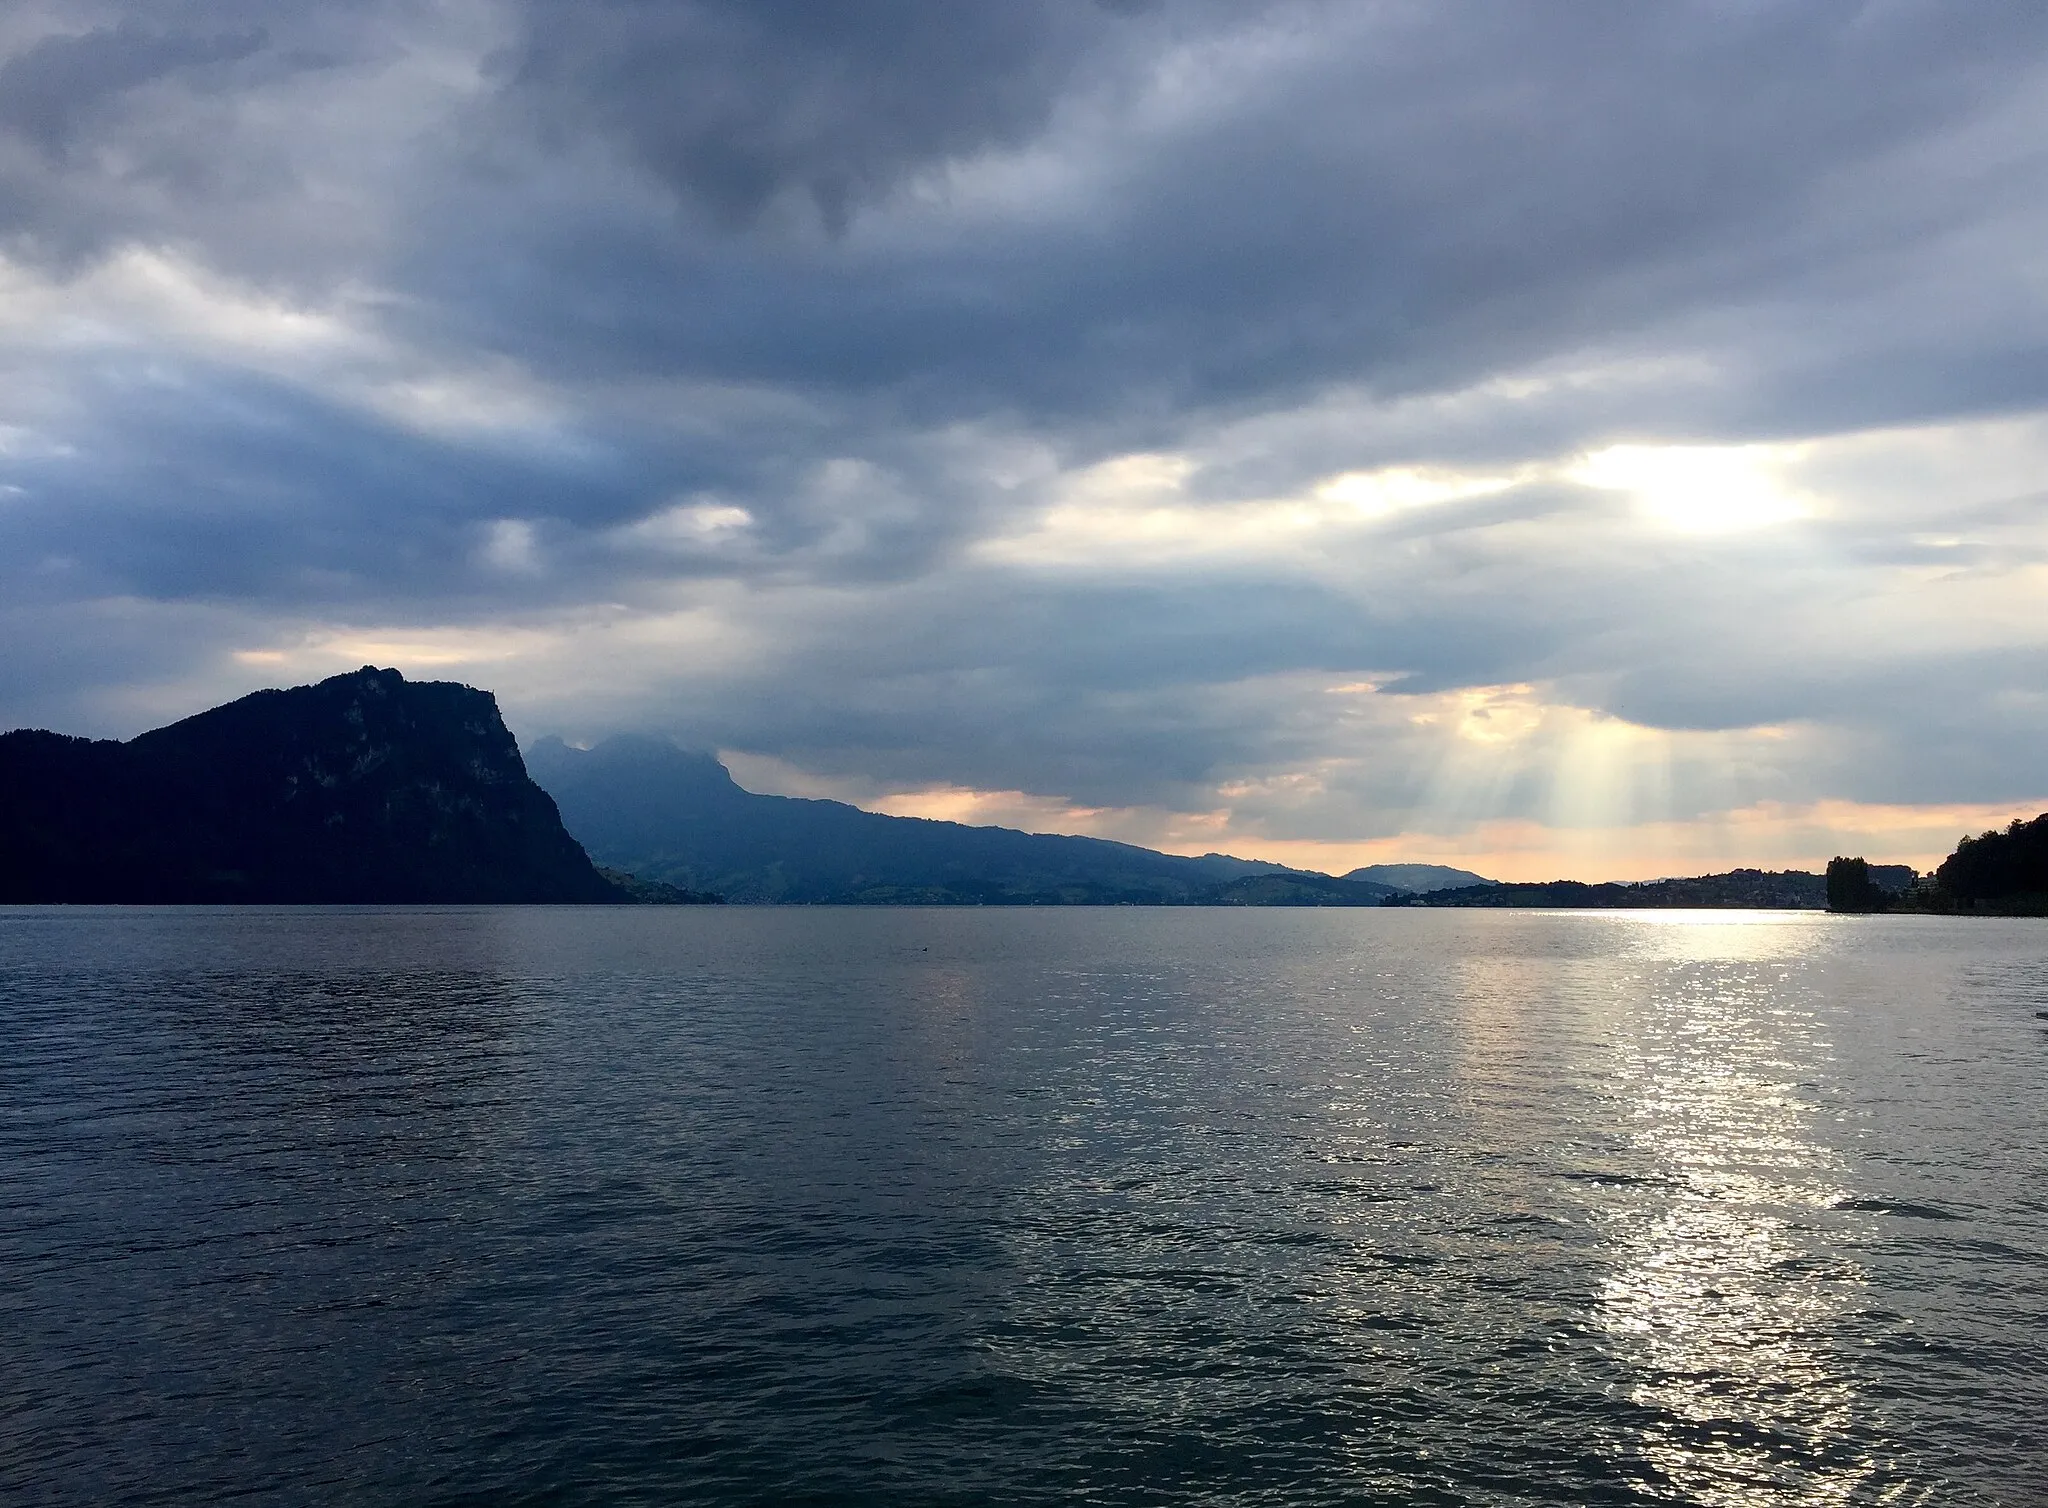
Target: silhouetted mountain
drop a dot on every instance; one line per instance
(1418, 878)
(645, 805)
(1790, 889)
(364, 788)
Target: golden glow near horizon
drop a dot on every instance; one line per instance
(1608, 813)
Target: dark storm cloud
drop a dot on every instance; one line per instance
(736, 103)
(1420, 199)
(127, 124)
(55, 87)
(619, 301)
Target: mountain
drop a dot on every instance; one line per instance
(645, 805)
(364, 788)
(1418, 878)
(1738, 889)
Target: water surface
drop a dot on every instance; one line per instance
(956, 1206)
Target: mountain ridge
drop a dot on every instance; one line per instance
(677, 815)
(362, 788)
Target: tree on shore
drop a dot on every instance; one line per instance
(1850, 887)
(1997, 866)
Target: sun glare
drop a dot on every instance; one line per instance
(1700, 489)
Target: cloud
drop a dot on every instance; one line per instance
(1058, 399)
(735, 106)
(53, 88)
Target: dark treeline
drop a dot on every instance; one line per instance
(1738, 889)
(1999, 866)
(2004, 873)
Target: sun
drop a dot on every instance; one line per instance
(1701, 489)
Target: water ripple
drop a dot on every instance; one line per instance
(943, 1206)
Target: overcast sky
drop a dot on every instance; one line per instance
(1586, 438)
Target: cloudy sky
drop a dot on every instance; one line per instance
(1585, 438)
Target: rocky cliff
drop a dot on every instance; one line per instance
(363, 788)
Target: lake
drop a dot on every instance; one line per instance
(737, 1205)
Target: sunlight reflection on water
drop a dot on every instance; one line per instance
(1726, 1311)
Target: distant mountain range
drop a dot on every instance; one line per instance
(364, 788)
(645, 805)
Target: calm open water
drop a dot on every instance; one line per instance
(961, 1206)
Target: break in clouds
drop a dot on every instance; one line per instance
(1571, 435)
